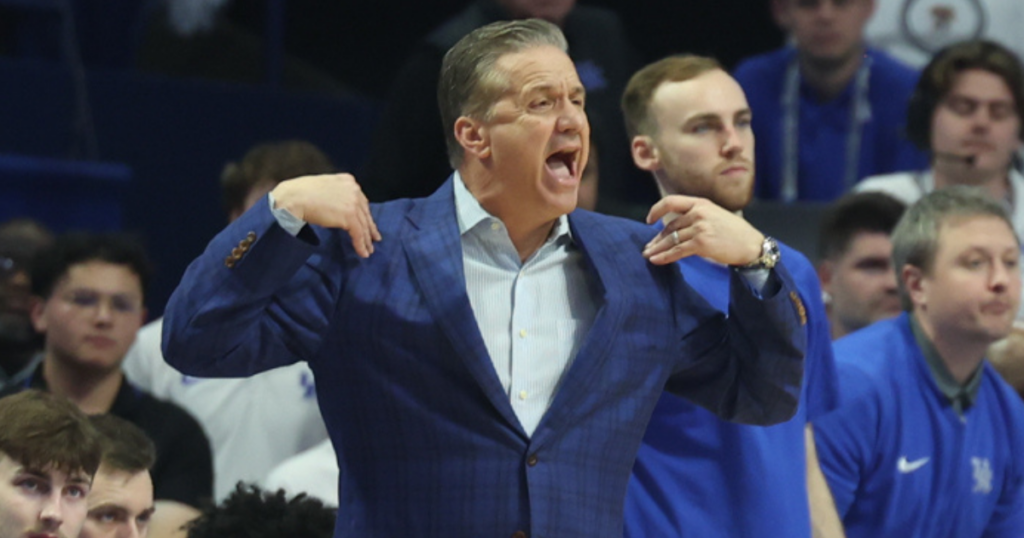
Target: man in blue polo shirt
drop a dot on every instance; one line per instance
(696, 475)
(929, 440)
(827, 110)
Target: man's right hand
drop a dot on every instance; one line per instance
(331, 201)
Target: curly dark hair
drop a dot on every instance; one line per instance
(251, 512)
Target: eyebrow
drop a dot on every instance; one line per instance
(714, 116)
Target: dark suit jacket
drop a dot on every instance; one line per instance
(427, 441)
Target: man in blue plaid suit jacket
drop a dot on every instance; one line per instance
(487, 358)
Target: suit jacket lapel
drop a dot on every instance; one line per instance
(434, 250)
(598, 343)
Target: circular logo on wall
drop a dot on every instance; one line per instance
(932, 24)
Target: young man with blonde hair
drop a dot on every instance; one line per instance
(690, 124)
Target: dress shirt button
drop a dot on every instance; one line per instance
(522, 333)
(532, 460)
(522, 395)
(519, 534)
(495, 226)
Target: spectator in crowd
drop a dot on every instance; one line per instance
(90, 292)
(19, 343)
(411, 349)
(929, 440)
(828, 110)
(913, 31)
(249, 512)
(966, 113)
(855, 261)
(121, 500)
(257, 422)
(48, 455)
(690, 124)
(407, 155)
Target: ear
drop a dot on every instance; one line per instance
(825, 270)
(36, 313)
(472, 136)
(916, 284)
(645, 153)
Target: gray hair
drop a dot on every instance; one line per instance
(470, 83)
(916, 237)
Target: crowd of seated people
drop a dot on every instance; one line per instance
(910, 307)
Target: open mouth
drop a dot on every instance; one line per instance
(563, 164)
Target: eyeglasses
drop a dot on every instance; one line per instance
(89, 299)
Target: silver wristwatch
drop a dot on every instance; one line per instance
(769, 256)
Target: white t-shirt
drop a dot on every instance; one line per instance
(913, 30)
(314, 472)
(253, 423)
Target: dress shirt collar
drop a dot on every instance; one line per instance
(470, 213)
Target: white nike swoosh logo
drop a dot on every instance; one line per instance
(905, 466)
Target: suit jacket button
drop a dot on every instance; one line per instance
(251, 236)
(237, 252)
(532, 460)
(229, 262)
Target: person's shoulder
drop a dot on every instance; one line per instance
(797, 262)
(770, 64)
(154, 413)
(868, 360)
(1009, 401)
(611, 225)
(890, 72)
(900, 185)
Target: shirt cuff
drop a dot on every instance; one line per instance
(756, 278)
(291, 224)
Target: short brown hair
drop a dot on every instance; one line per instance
(940, 74)
(125, 446)
(41, 430)
(915, 240)
(470, 84)
(636, 99)
(271, 162)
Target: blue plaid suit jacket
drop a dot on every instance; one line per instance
(427, 441)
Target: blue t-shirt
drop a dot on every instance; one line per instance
(899, 459)
(824, 126)
(697, 475)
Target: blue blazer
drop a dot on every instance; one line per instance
(427, 441)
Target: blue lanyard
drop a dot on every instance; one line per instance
(860, 113)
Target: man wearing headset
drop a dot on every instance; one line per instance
(966, 112)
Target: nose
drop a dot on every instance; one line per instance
(733, 143)
(1002, 277)
(104, 312)
(131, 530)
(52, 513)
(572, 119)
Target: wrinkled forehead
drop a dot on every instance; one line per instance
(539, 65)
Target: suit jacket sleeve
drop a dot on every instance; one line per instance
(229, 319)
(746, 367)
